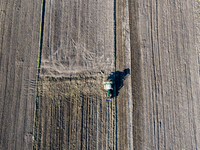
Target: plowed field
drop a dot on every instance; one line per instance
(19, 36)
(78, 53)
(73, 114)
(150, 48)
(165, 38)
(78, 37)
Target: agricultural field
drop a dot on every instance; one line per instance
(78, 37)
(19, 38)
(54, 58)
(73, 114)
(166, 109)
(78, 53)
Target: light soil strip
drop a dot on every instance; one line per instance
(128, 78)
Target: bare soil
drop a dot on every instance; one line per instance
(150, 48)
(78, 52)
(19, 41)
(78, 37)
(78, 43)
(72, 114)
(165, 50)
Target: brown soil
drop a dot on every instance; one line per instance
(165, 47)
(81, 42)
(78, 37)
(72, 114)
(19, 38)
(155, 64)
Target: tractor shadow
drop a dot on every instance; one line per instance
(118, 77)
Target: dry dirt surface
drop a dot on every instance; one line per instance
(72, 114)
(19, 42)
(165, 38)
(78, 37)
(89, 38)
(149, 47)
(77, 53)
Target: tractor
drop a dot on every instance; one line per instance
(109, 90)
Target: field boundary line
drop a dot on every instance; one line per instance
(38, 71)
